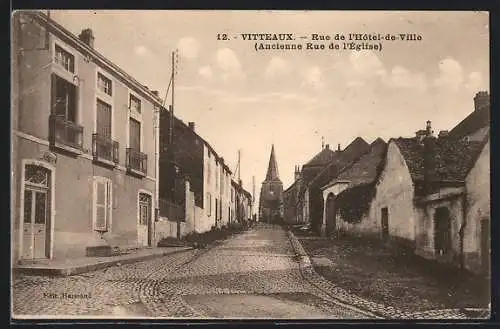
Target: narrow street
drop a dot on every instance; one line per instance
(251, 275)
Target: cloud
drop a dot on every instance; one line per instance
(201, 89)
(277, 66)
(206, 72)
(476, 82)
(364, 66)
(228, 62)
(141, 50)
(450, 75)
(189, 47)
(313, 77)
(401, 77)
(271, 97)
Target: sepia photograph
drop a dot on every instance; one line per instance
(257, 164)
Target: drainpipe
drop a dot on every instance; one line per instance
(461, 232)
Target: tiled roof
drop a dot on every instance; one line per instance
(473, 122)
(453, 157)
(366, 169)
(291, 187)
(352, 152)
(322, 158)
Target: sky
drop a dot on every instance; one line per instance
(243, 99)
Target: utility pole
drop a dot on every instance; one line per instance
(175, 169)
(253, 196)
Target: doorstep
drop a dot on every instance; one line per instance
(72, 266)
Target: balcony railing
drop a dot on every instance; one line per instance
(65, 133)
(104, 148)
(136, 161)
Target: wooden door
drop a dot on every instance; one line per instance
(485, 246)
(37, 212)
(385, 223)
(144, 225)
(35, 223)
(331, 220)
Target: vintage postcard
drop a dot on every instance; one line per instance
(204, 164)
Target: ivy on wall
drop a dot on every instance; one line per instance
(353, 203)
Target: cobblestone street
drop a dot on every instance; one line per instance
(251, 275)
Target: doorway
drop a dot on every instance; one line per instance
(144, 230)
(485, 246)
(385, 223)
(330, 214)
(36, 213)
(442, 231)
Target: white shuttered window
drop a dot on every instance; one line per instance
(102, 203)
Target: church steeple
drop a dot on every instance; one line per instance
(272, 169)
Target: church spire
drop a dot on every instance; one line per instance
(272, 169)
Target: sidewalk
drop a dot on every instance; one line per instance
(74, 266)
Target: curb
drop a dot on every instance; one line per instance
(379, 310)
(62, 272)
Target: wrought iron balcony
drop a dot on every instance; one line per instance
(64, 133)
(136, 162)
(104, 148)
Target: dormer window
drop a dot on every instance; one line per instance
(135, 104)
(65, 59)
(104, 84)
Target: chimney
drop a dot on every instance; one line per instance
(481, 100)
(421, 134)
(191, 125)
(156, 93)
(428, 128)
(443, 133)
(430, 173)
(327, 146)
(297, 172)
(87, 36)
(338, 147)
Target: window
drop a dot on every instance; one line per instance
(209, 170)
(65, 59)
(209, 204)
(222, 183)
(135, 134)
(104, 84)
(64, 101)
(135, 104)
(216, 176)
(103, 119)
(102, 204)
(216, 208)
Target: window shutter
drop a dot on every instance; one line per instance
(102, 204)
(109, 205)
(53, 93)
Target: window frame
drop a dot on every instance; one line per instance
(108, 203)
(130, 96)
(209, 204)
(136, 116)
(102, 77)
(60, 69)
(53, 91)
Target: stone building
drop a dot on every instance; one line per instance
(84, 166)
(433, 195)
(271, 194)
(348, 197)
